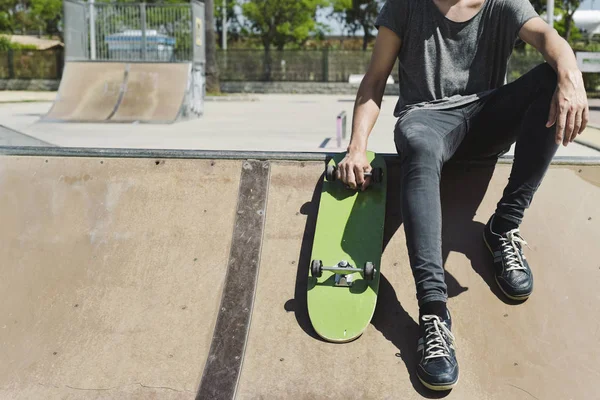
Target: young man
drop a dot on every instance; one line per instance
(453, 102)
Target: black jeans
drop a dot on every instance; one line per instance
(426, 139)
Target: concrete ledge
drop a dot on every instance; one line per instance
(36, 85)
(89, 152)
(297, 88)
(233, 97)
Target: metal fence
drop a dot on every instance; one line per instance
(132, 32)
(31, 64)
(321, 65)
(249, 65)
(145, 32)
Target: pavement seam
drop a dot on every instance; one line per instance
(224, 362)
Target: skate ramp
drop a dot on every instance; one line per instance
(127, 92)
(117, 276)
(109, 290)
(505, 351)
(154, 93)
(88, 92)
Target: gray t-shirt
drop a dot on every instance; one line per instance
(445, 64)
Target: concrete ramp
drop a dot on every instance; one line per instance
(88, 92)
(183, 278)
(128, 92)
(154, 93)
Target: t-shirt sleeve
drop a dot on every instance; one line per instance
(394, 15)
(517, 13)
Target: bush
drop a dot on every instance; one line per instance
(31, 64)
(5, 43)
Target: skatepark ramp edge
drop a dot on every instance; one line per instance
(98, 152)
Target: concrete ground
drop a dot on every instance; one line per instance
(113, 272)
(259, 122)
(18, 96)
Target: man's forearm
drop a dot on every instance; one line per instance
(366, 112)
(560, 56)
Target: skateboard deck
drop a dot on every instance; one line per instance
(349, 228)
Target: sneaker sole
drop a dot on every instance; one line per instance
(512, 297)
(438, 388)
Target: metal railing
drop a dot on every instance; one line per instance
(144, 32)
(132, 32)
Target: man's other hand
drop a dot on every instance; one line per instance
(569, 109)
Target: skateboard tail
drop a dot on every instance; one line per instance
(342, 335)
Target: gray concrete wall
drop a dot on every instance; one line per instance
(297, 88)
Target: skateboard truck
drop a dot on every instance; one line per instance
(343, 271)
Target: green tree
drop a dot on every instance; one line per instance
(46, 15)
(26, 16)
(7, 10)
(358, 14)
(233, 23)
(567, 8)
(279, 22)
(564, 9)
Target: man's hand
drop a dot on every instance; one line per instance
(569, 108)
(352, 168)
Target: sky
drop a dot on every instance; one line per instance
(590, 5)
(336, 28)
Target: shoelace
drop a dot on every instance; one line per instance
(437, 336)
(514, 261)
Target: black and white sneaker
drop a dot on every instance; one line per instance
(513, 274)
(437, 368)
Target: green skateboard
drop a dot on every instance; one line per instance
(346, 256)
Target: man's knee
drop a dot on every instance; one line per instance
(418, 141)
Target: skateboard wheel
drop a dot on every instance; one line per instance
(377, 175)
(316, 268)
(330, 173)
(369, 271)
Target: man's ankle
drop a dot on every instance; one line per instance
(434, 308)
(502, 225)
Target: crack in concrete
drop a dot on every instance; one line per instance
(516, 387)
(137, 383)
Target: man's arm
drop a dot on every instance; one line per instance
(569, 108)
(367, 106)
